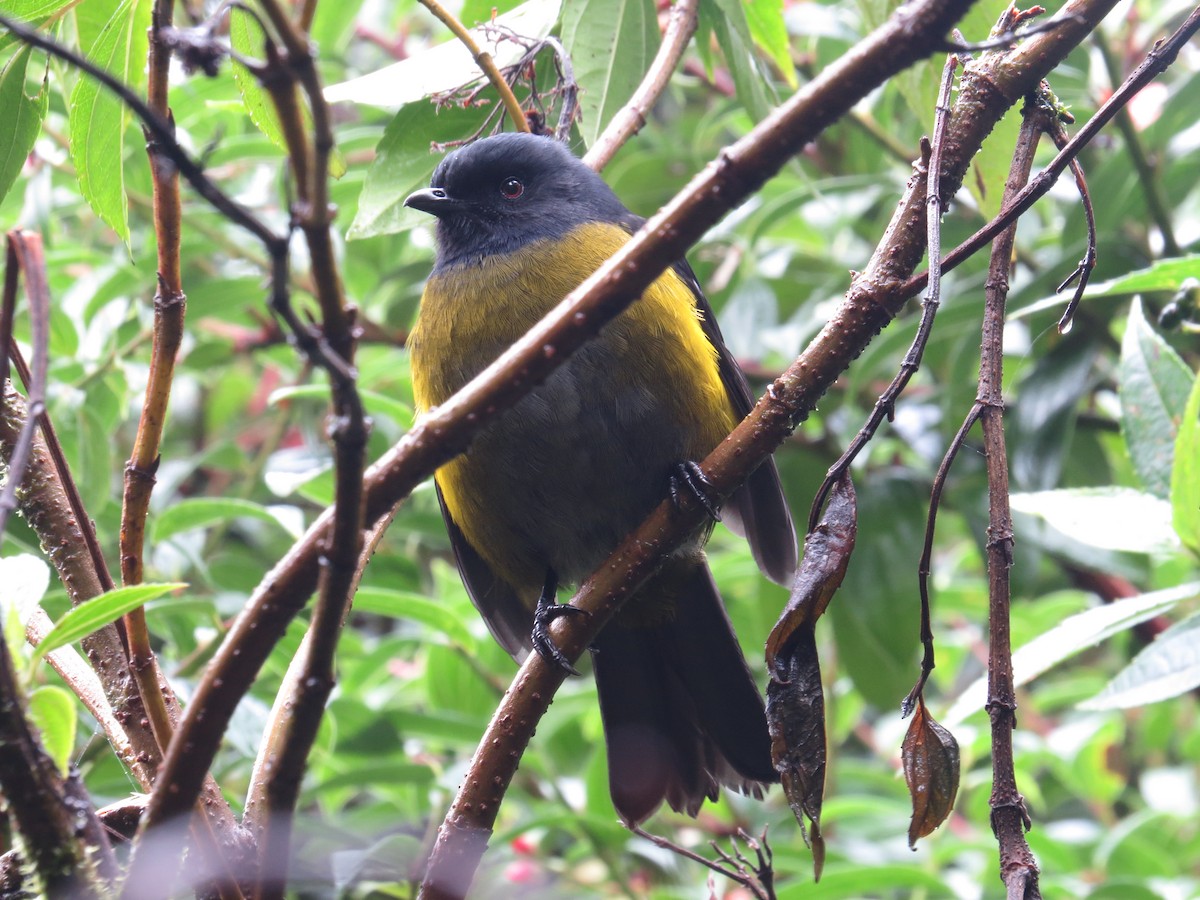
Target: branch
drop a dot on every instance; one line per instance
(1009, 818)
(681, 25)
(484, 60)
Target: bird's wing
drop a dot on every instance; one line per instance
(758, 509)
(507, 618)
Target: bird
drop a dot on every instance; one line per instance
(548, 488)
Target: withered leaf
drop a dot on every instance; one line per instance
(795, 704)
(931, 768)
(826, 555)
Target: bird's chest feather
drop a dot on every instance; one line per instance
(563, 475)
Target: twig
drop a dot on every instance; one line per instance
(169, 308)
(1157, 61)
(1018, 868)
(1151, 189)
(885, 406)
(681, 25)
(484, 60)
(757, 879)
(1083, 271)
(24, 254)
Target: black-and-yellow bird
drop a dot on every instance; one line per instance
(547, 490)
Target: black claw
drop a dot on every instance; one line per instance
(688, 474)
(546, 612)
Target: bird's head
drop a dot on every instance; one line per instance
(501, 193)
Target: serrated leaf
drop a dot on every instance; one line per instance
(1154, 383)
(769, 32)
(1074, 635)
(406, 605)
(1167, 668)
(82, 620)
(611, 44)
(1113, 518)
(52, 710)
(97, 118)
(1185, 474)
(403, 163)
(201, 512)
(930, 760)
(23, 118)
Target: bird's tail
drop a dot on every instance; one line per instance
(682, 714)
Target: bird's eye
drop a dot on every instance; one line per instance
(511, 188)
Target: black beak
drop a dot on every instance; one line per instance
(434, 201)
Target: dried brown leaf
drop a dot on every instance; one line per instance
(931, 768)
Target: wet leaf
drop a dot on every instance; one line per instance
(795, 704)
(931, 768)
(826, 556)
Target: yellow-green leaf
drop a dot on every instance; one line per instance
(97, 118)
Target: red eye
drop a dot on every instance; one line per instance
(511, 188)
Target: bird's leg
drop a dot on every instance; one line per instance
(689, 475)
(548, 609)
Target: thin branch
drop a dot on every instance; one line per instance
(1151, 189)
(885, 406)
(24, 254)
(1009, 819)
(681, 25)
(484, 60)
(169, 308)
(1157, 61)
(1083, 271)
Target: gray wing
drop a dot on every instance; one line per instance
(507, 618)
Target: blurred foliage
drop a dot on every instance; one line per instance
(1109, 771)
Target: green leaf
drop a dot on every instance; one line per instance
(35, 13)
(374, 402)
(246, 37)
(406, 605)
(726, 19)
(1167, 668)
(201, 512)
(1074, 635)
(23, 118)
(768, 30)
(82, 620)
(449, 65)
(1185, 474)
(1154, 384)
(1166, 275)
(97, 118)
(403, 163)
(611, 44)
(52, 710)
(1113, 518)
(477, 12)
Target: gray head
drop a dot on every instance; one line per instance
(499, 194)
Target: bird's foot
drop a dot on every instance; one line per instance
(546, 612)
(688, 475)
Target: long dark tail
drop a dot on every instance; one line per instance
(682, 714)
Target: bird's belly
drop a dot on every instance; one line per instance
(560, 478)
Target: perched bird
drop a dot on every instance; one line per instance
(547, 490)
